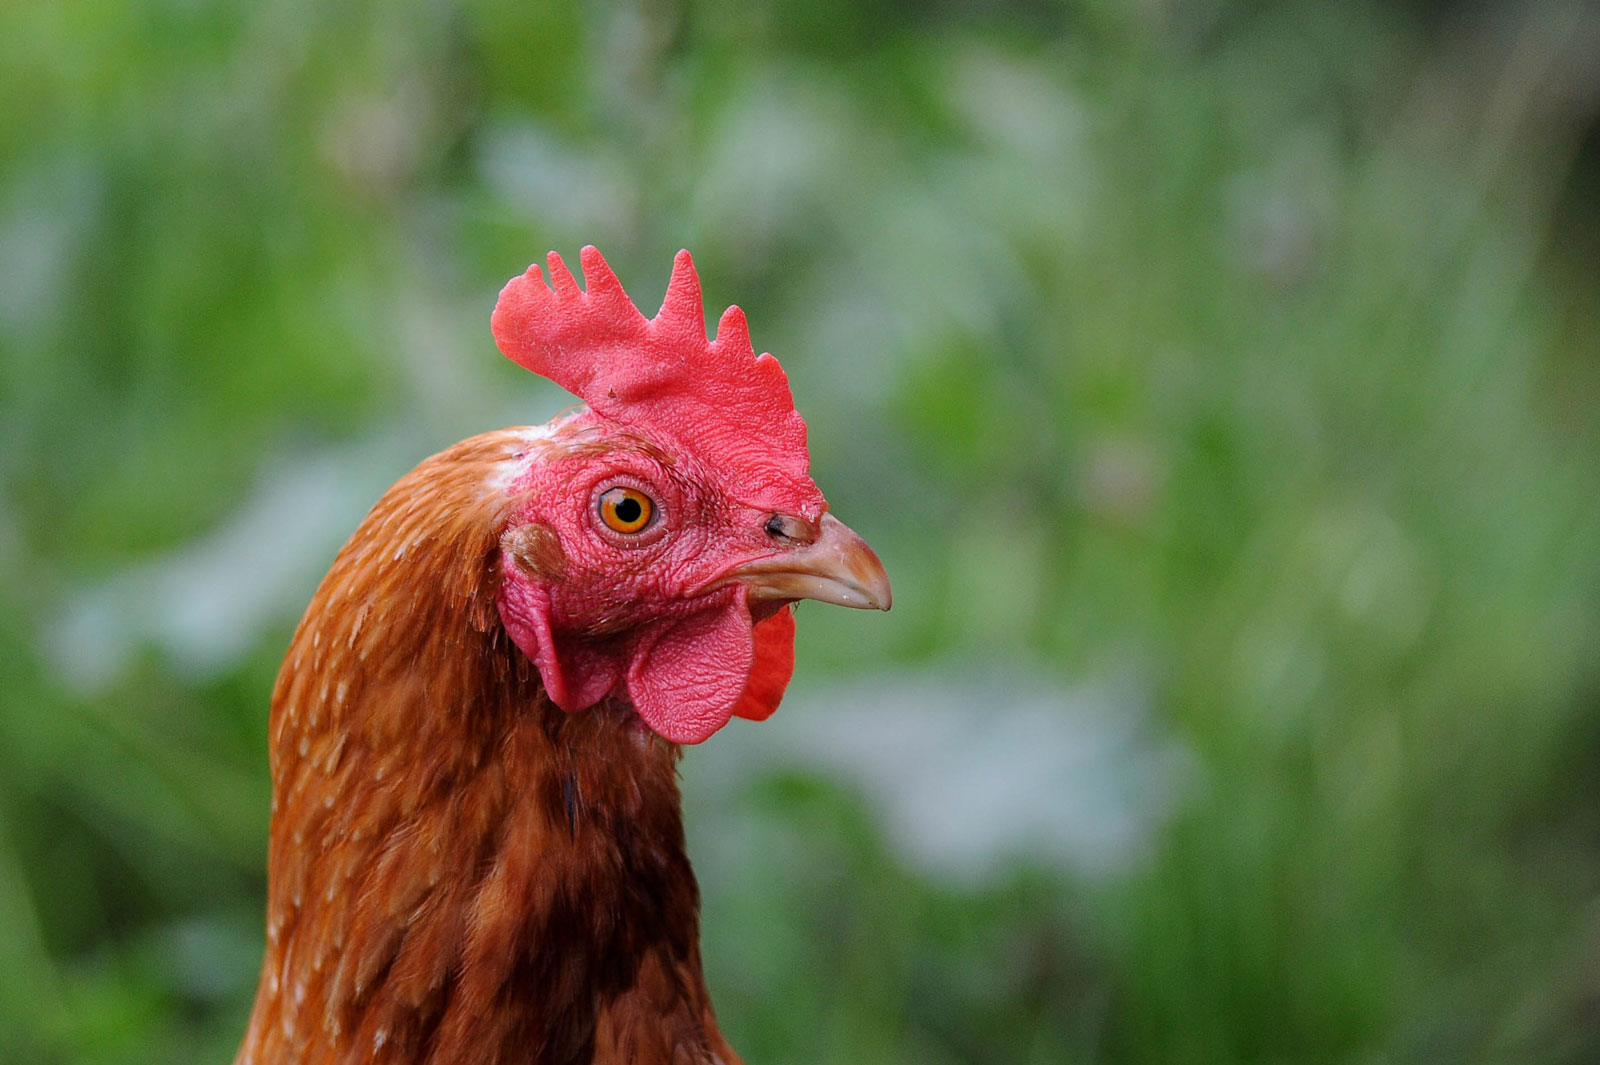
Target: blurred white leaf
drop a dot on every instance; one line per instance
(971, 772)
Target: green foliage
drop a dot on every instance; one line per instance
(1227, 344)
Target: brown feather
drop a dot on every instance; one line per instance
(459, 871)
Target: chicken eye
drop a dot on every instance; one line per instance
(626, 510)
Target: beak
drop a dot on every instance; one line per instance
(837, 567)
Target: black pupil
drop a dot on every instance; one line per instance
(629, 510)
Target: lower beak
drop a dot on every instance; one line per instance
(837, 567)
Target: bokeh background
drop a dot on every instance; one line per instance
(1219, 380)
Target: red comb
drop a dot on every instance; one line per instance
(662, 374)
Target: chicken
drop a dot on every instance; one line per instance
(477, 851)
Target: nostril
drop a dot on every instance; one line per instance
(790, 529)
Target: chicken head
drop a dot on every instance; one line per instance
(660, 535)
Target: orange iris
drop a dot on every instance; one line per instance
(626, 510)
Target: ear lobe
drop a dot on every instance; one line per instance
(576, 673)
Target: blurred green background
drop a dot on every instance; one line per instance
(1220, 382)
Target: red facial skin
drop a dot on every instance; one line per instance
(600, 611)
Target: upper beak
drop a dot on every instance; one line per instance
(837, 567)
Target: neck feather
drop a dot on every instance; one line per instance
(458, 870)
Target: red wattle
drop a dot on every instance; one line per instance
(774, 664)
(687, 679)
